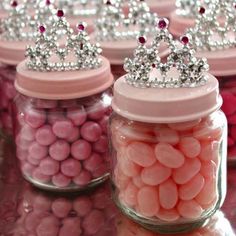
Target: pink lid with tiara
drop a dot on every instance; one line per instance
(118, 26)
(53, 71)
(176, 91)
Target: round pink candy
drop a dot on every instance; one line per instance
(49, 226)
(71, 227)
(77, 116)
(38, 151)
(81, 149)
(91, 131)
(75, 135)
(61, 207)
(70, 167)
(63, 128)
(45, 135)
(39, 176)
(61, 180)
(96, 112)
(104, 124)
(27, 133)
(82, 205)
(59, 150)
(41, 203)
(35, 118)
(101, 145)
(93, 162)
(83, 178)
(33, 161)
(27, 168)
(49, 166)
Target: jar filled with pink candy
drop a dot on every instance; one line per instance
(62, 110)
(169, 138)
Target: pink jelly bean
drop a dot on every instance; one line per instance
(81, 149)
(49, 166)
(130, 195)
(77, 116)
(184, 125)
(93, 222)
(192, 188)
(122, 180)
(168, 194)
(208, 169)
(101, 145)
(208, 192)
(138, 182)
(148, 201)
(96, 112)
(75, 135)
(38, 151)
(33, 161)
(28, 133)
(186, 172)
(83, 206)
(189, 209)
(45, 135)
(71, 227)
(55, 115)
(167, 135)
(209, 151)
(190, 147)
(229, 101)
(104, 124)
(27, 168)
(41, 204)
(49, 226)
(59, 150)
(141, 154)
(83, 178)
(70, 167)
(169, 156)
(35, 118)
(168, 215)
(61, 180)
(39, 176)
(63, 129)
(155, 174)
(91, 131)
(61, 207)
(93, 162)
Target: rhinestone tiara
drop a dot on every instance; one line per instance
(182, 68)
(76, 52)
(190, 8)
(113, 24)
(215, 27)
(21, 24)
(83, 8)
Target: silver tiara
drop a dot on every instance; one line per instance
(113, 24)
(21, 24)
(191, 8)
(76, 52)
(215, 27)
(182, 68)
(83, 8)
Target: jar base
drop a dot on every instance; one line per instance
(71, 188)
(164, 228)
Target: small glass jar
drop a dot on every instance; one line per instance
(61, 127)
(7, 95)
(169, 148)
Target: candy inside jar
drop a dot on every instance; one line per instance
(168, 138)
(62, 114)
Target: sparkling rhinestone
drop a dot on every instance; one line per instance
(81, 27)
(184, 40)
(142, 39)
(163, 23)
(48, 2)
(42, 29)
(14, 3)
(108, 2)
(202, 10)
(60, 13)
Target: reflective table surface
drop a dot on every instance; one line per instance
(27, 211)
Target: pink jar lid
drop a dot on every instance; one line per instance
(162, 105)
(12, 52)
(222, 62)
(162, 7)
(63, 84)
(117, 51)
(179, 24)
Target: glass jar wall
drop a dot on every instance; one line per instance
(169, 177)
(62, 144)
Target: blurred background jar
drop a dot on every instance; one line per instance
(62, 111)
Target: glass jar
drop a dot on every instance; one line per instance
(228, 93)
(169, 154)
(7, 94)
(61, 131)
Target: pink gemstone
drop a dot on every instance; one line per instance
(202, 10)
(42, 29)
(163, 23)
(142, 39)
(108, 2)
(14, 3)
(81, 27)
(184, 40)
(60, 13)
(48, 2)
